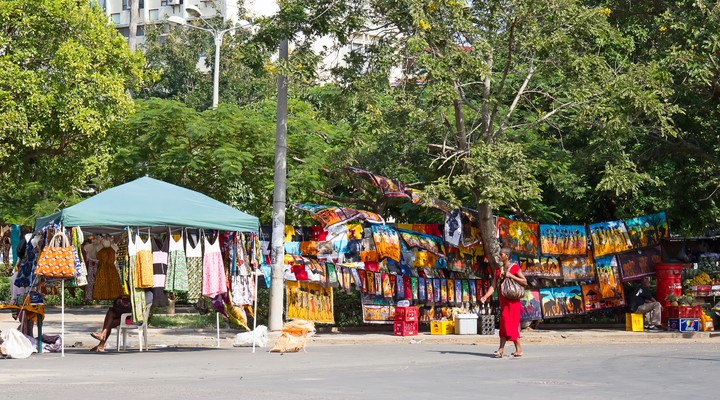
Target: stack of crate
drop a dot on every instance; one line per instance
(406, 321)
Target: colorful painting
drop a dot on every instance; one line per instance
(648, 230)
(521, 237)
(578, 268)
(609, 238)
(544, 267)
(309, 301)
(639, 263)
(563, 239)
(608, 277)
(387, 242)
(593, 301)
(531, 310)
(561, 302)
(422, 241)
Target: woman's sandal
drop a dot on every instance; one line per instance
(516, 355)
(498, 354)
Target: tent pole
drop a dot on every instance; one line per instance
(255, 309)
(62, 316)
(217, 321)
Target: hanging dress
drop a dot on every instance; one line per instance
(137, 295)
(107, 281)
(177, 274)
(194, 263)
(144, 263)
(92, 266)
(160, 264)
(213, 280)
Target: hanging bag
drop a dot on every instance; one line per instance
(56, 259)
(511, 289)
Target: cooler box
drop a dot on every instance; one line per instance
(634, 322)
(466, 324)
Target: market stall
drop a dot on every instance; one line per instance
(148, 212)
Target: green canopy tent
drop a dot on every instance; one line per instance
(152, 204)
(148, 202)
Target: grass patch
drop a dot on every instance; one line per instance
(192, 321)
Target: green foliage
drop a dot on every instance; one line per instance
(65, 76)
(347, 308)
(5, 288)
(190, 321)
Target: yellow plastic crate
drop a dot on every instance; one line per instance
(442, 327)
(634, 322)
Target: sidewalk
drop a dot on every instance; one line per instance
(80, 322)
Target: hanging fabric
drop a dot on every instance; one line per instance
(144, 266)
(107, 282)
(214, 278)
(177, 274)
(194, 263)
(160, 264)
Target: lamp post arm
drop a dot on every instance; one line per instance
(216, 71)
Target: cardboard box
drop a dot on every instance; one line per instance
(684, 324)
(466, 324)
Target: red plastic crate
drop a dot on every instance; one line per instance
(696, 311)
(405, 328)
(408, 314)
(672, 312)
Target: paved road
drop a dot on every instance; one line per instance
(372, 371)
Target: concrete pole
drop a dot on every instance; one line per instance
(277, 286)
(216, 71)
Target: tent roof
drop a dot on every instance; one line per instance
(148, 202)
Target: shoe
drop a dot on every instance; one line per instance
(652, 328)
(498, 354)
(516, 355)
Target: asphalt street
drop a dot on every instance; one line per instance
(373, 371)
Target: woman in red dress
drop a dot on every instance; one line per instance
(509, 309)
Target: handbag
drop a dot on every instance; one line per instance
(511, 290)
(57, 259)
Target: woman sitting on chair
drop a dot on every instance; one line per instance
(120, 306)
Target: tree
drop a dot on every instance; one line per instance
(64, 78)
(492, 89)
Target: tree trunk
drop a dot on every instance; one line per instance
(132, 36)
(487, 232)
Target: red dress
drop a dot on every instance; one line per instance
(509, 310)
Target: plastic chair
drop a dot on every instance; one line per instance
(141, 329)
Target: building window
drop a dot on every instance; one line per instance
(154, 15)
(115, 18)
(126, 4)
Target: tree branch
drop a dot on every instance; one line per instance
(521, 91)
(506, 71)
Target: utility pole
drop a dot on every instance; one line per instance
(132, 36)
(277, 287)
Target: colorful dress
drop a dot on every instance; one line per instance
(194, 263)
(160, 265)
(107, 281)
(509, 310)
(144, 263)
(177, 274)
(137, 298)
(214, 279)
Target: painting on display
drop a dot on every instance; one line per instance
(309, 301)
(531, 310)
(561, 302)
(648, 230)
(608, 277)
(521, 237)
(547, 267)
(639, 263)
(609, 238)
(577, 268)
(563, 239)
(593, 301)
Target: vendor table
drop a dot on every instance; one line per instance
(30, 312)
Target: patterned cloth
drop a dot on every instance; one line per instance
(107, 282)
(194, 261)
(144, 263)
(177, 274)
(137, 299)
(214, 278)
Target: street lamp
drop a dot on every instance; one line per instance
(217, 36)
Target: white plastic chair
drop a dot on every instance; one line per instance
(141, 329)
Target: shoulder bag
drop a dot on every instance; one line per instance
(57, 259)
(511, 289)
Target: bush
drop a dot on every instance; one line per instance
(5, 289)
